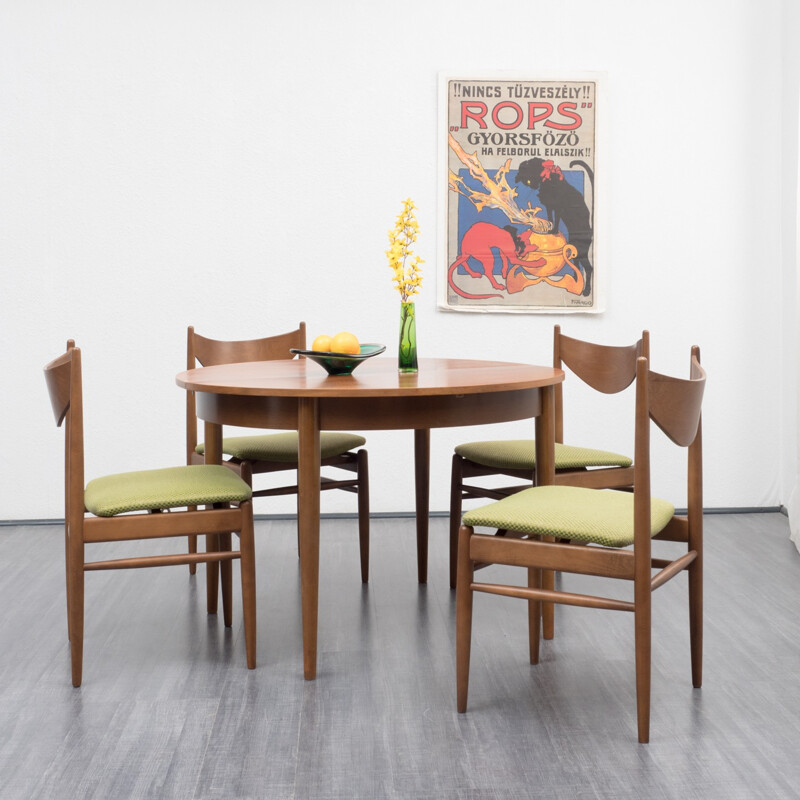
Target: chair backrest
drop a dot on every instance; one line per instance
(210, 352)
(64, 383)
(204, 352)
(674, 405)
(607, 369)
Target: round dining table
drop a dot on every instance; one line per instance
(299, 395)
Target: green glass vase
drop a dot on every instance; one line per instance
(407, 352)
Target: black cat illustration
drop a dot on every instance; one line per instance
(563, 203)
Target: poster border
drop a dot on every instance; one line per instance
(600, 232)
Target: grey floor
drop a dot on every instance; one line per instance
(168, 709)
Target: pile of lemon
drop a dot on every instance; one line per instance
(343, 342)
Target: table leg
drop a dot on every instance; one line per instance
(546, 476)
(308, 468)
(422, 479)
(213, 455)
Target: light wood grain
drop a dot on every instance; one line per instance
(376, 377)
(83, 531)
(299, 395)
(202, 351)
(675, 405)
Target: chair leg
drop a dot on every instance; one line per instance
(363, 512)
(226, 579)
(548, 609)
(534, 614)
(297, 505)
(212, 574)
(248, 573)
(642, 616)
(463, 617)
(75, 609)
(696, 618)
(192, 546)
(456, 478)
(66, 564)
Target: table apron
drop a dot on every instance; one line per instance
(372, 413)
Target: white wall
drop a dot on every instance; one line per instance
(791, 231)
(236, 166)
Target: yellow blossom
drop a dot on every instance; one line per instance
(405, 266)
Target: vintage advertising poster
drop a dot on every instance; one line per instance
(520, 199)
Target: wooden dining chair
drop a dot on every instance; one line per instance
(277, 452)
(606, 369)
(145, 505)
(600, 532)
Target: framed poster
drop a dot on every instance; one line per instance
(518, 172)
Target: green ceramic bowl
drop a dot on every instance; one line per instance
(340, 363)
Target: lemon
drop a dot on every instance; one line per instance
(322, 344)
(345, 342)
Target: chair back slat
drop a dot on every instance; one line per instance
(212, 352)
(63, 376)
(607, 369)
(206, 352)
(58, 376)
(675, 403)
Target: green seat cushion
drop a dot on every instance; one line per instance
(521, 454)
(173, 487)
(284, 446)
(601, 516)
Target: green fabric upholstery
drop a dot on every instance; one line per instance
(173, 487)
(601, 516)
(284, 446)
(521, 454)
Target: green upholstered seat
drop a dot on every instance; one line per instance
(521, 454)
(173, 487)
(602, 516)
(284, 446)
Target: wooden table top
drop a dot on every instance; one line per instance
(376, 377)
